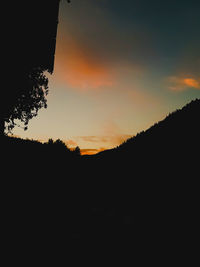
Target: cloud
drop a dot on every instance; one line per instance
(191, 83)
(180, 84)
(90, 151)
(71, 143)
(94, 144)
(93, 47)
(78, 68)
(107, 140)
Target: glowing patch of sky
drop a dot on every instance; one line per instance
(116, 64)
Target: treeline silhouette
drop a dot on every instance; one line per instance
(170, 142)
(35, 160)
(29, 146)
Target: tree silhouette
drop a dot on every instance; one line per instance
(24, 104)
(77, 151)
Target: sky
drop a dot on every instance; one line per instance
(120, 67)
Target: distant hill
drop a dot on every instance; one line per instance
(175, 136)
(155, 176)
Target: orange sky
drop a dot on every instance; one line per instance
(118, 70)
(78, 69)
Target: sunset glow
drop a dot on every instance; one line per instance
(181, 84)
(119, 68)
(192, 83)
(78, 69)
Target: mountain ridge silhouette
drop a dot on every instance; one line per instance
(171, 125)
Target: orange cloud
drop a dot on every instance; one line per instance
(191, 83)
(108, 141)
(181, 84)
(91, 151)
(78, 68)
(71, 143)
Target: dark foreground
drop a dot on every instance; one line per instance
(146, 192)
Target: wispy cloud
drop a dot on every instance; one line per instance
(78, 68)
(180, 84)
(108, 141)
(93, 144)
(71, 143)
(90, 151)
(191, 83)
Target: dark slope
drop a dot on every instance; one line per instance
(154, 177)
(146, 191)
(180, 128)
(173, 141)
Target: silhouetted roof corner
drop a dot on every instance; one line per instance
(30, 33)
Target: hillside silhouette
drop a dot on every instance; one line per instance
(177, 133)
(171, 144)
(146, 187)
